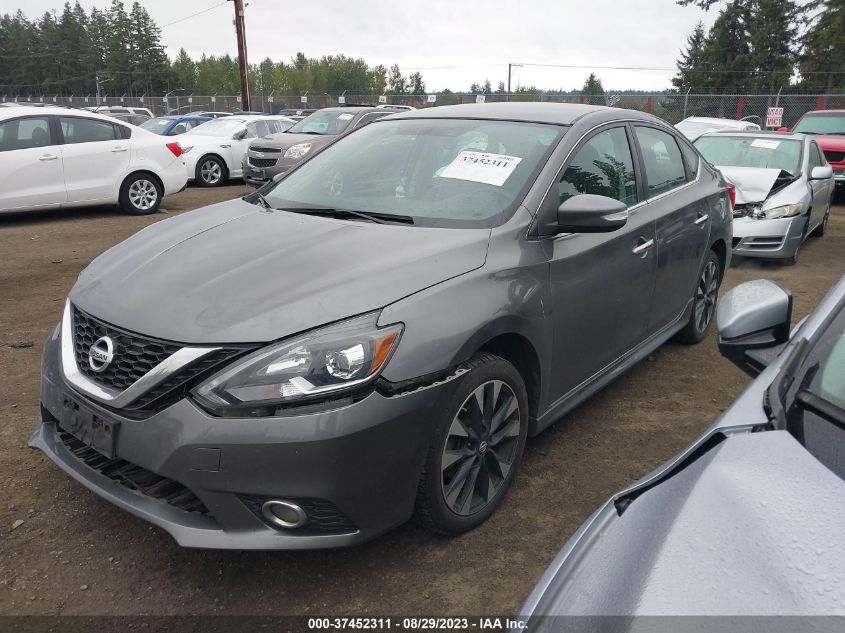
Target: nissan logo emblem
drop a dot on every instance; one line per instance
(101, 353)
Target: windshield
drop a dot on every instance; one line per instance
(323, 122)
(747, 151)
(225, 126)
(158, 126)
(833, 123)
(440, 172)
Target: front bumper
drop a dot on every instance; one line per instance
(360, 461)
(772, 239)
(258, 176)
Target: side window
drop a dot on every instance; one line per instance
(79, 130)
(257, 128)
(664, 167)
(815, 156)
(690, 158)
(25, 134)
(602, 166)
(179, 128)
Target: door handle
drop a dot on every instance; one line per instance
(701, 219)
(118, 149)
(48, 157)
(642, 248)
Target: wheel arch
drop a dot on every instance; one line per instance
(147, 172)
(216, 155)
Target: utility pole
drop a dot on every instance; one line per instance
(242, 61)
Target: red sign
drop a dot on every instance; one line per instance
(269, 98)
(238, 99)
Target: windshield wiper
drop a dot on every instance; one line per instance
(262, 201)
(809, 401)
(378, 218)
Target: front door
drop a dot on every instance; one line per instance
(822, 189)
(601, 283)
(30, 165)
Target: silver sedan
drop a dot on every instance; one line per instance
(783, 189)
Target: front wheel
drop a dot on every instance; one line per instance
(703, 302)
(211, 172)
(477, 447)
(140, 194)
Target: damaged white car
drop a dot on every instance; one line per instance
(783, 189)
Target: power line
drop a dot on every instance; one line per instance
(193, 15)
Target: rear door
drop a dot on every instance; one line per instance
(30, 164)
(601, 283)
(682, 223)
(95, 158)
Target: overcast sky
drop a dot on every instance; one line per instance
(452, 42)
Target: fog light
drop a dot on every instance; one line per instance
(285, 514)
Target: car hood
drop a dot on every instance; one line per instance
(234, 273)
(831, 142)
(753, 184)
(751, 527)
(283, 140)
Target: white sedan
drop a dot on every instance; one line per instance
(62, 157)
(214, 151)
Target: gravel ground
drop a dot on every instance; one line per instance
(64, 551)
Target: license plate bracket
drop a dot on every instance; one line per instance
(88, 427)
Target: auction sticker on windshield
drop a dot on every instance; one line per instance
(491, 169)
(765, 143)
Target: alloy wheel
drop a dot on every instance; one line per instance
(480, 448)
(211, 172)
(705, 296)
(143, 194)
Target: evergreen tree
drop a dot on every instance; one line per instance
(820, 62)
(593, 90)
(690, 65)
(416, 84)
(396, 82)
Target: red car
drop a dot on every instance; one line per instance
(828, 126)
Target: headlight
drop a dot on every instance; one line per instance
(298, 151)
(786, 211)
(186, 149)
(319, 364)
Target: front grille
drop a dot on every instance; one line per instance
(834, 157)
(266, 150)
(135, 355)
(262, 162)
(323, 516)
(135, 477)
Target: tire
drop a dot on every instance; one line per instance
(140, 194)
(211, 172)
(793, 259)
(477, 450)
(821, 228)
(704, 301)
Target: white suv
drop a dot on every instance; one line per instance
(61, 157)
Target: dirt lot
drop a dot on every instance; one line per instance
(75, 554)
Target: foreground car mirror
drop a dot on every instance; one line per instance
(238, 136)
(822, 172)
(753, 321)
(588, 213)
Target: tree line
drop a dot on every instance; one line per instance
(765, 46)
(70, 52)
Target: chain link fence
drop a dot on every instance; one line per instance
(672, 107)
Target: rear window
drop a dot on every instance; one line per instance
(664, 167)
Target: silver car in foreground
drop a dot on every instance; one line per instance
(748, 521)
(784, 186)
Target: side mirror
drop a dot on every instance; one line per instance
(822, 172)
(588, 213)
(753, 321)
(239, 136)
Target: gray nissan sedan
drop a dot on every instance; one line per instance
(380, 330)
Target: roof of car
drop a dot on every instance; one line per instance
(25, 110)
(183, 116)
(795, 136)
(713, 119)
(834, 111)
(538, 112)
